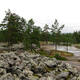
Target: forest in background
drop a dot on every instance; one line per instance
(15, 29)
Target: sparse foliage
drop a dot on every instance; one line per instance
(56, 30)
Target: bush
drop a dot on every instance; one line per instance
(59, 57)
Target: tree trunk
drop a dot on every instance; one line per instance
(67, 46)
(55, 46)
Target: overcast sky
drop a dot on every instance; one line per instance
(46, 11)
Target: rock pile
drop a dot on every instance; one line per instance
(26, 66)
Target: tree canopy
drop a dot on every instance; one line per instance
(14, 29)
(14, 26)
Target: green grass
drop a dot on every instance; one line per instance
(62, 53)
(59, 57)
(47, 54)
(43, 52)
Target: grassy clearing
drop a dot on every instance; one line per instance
(77, 46)
(59, 55)
(62, 53)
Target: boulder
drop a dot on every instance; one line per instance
(27, 66)
(7, 76)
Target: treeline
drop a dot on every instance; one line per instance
(15, 29)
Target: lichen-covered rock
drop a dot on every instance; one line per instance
(7, 76)
(62, 75)
(51, 63)
(26, 66)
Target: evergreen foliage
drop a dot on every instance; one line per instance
(14, 29)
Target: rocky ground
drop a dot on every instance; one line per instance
(26, 66)
(73, 61)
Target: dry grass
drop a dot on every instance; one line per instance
(62, 53)
(53, 52)
(77, 46)
(44, 43)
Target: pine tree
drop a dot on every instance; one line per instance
(14, 25)
(56, 30)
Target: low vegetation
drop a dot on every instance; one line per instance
(59, 55)
(77, 46)
(62, 53)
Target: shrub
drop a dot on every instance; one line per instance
(59, 57)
